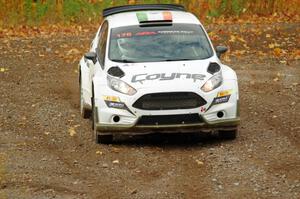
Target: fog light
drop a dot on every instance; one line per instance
(220, 114)
(116, 119)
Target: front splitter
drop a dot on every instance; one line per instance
(228, 124)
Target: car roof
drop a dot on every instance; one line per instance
(130, 18)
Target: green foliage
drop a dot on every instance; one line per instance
(28, 11)
(121, 2)
(237, 6)
(214, 11)
(42, 9)
(76, 11)
(223, 6)
(72, 9)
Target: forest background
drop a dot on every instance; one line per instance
(68, 12)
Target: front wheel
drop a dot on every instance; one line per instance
(228, 135)
(85, 113)
(103, 139)
(99, 139)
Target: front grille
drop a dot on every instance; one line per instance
(170, 119)
(169, 101)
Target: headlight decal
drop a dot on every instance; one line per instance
(213, 83)
(120, 86)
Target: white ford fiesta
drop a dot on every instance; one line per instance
(152, 68)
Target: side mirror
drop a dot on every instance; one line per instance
(221, 50)
(91, 56)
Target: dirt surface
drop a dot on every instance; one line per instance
(46, 148)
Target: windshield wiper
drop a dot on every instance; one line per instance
(123, 60)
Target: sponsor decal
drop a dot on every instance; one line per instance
(165, 77)
(202, 109)
(222, 97)
(115, 102)
(119, 105)
(178, 32)
(146, 33)
(124, 35)
(128, 34)
(220, 100)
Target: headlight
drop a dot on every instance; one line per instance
(213, 83)
(120, 86)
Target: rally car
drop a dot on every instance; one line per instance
(152, 68)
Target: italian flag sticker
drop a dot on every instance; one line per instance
(154, 16)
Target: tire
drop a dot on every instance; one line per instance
(85, 113)
(103, 139)
(93, 109)
(228, 135)
(99, 139)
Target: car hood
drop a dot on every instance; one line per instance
(166, 74)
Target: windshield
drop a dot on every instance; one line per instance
(159, 43)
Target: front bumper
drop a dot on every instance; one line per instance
(226, 124)
(128, 122)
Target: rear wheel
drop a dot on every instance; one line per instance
(97, 136)
(228, 135)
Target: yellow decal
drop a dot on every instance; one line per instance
(111, 98)
(224, 93)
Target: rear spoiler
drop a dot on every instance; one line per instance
(128, 8)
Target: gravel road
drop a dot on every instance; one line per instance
(46, 148)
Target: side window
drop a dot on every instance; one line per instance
(101, 48)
